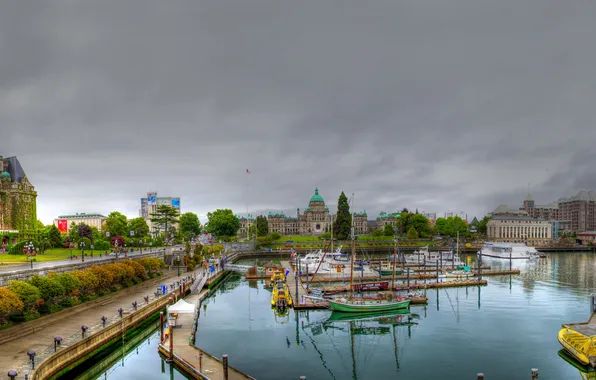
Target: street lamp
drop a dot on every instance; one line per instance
(83, 330)
(57, 341)
(30, 249)
(31, 354)
(178, 261)
(83, 250)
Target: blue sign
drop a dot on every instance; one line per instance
(151, 198)
(176, 202)
(164, 289)
(211, 269)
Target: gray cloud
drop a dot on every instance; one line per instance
(454, 106)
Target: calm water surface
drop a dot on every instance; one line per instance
(503, 329)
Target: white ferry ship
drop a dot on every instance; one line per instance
(506, 250)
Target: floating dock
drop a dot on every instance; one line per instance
(579, 339)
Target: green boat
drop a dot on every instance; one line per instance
(363, 305)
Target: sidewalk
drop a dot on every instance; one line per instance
(13, 354)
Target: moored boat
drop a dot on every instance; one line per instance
(514, 251)
(579, 339)
(367, 305)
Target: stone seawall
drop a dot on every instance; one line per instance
(26, 274)
(71, 355)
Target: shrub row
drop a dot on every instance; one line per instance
(27, 300)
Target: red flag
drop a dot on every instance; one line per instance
(247, 171)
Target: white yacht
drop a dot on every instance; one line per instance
(508, 250)
(444, 258)
(313, 261)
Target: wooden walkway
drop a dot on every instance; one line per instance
(196, 362)
(300, 302)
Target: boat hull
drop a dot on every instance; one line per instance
(367, 306)
(578, 346)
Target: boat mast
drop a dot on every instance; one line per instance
(353, 252)
(393, 269)
(331, 216)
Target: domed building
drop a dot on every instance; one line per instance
(314, 220)
(18, 203)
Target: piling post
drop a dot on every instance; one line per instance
(296, 278)
(171, 342)
(534, 373)
(201, 362)
(510, 249)
(307, 277)
(225, 366)
(480, 376)
(437, 262)
(302, 377)
(408, 277)
(441, 258)
(480, 265)
(161, 327)
(380, 275)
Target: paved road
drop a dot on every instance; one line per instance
(57, 263)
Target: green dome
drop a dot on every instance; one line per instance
(5, 175)
(316, 197)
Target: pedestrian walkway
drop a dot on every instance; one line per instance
(13, 354)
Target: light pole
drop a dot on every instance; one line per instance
(83, 251)
(178, 261)
(30, 248)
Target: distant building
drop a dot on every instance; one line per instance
(18, 203)
(579, 211)
(519, 229)
(63, 222)
(245, 223)
(149, 207)
(384, 218)
(587, 237)
(548, 212)
(503, 210)
(431, 216)
(315, 220)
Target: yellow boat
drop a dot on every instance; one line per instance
(277, 276)
(280, 296)
(579, 339)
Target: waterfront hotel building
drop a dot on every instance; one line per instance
(149, 207)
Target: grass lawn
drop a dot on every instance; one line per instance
(49, 255)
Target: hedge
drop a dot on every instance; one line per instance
(25, 300)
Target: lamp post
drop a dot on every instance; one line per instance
(31, 354)
(57, 341)
(178, 261)
(103, 320)
(83, 330)
(30, 249)
(83, 251)
(70, 247)
(12, 374)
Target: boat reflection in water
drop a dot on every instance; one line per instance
(361, 328)
(586, 372)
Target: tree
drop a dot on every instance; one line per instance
(412, 234)
(139, 227)
(73, 232)
(420, 223)
(189, 225)
(451, 226)
(26, 292)
(116, 224)
(262, 226)
(388, 230)
(164, 217)
(53, 235)
(275, 236)
(376, 233)
(482, 225)
(84, 231)
(222, 222)
(9, 304)
(343, 220)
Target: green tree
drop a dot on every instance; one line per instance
(73, 232)
(222, 222)
(164, 217)
(451, 226)
(482, 225)
(140, 228)
(420, 223)
(343, 220)
(377, 232)
(262, 226)
(9, 304)
(412, 234)
(189, 225)
(116, 224)
(53, 235)
(275, 236)
(388, 230)
(26, 292)
(84, 231)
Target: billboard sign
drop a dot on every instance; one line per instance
(176, 203)
(62, 225)
(151, 198)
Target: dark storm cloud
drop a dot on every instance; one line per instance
(441, 106)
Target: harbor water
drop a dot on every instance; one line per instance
(503, 330)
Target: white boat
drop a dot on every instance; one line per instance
(444, 258)
(312, 261)
(517, 251)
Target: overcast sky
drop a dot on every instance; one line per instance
(436, 105)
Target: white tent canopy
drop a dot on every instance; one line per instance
(182, 307)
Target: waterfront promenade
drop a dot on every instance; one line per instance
(67, 324)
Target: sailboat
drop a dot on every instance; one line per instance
(365, 304)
